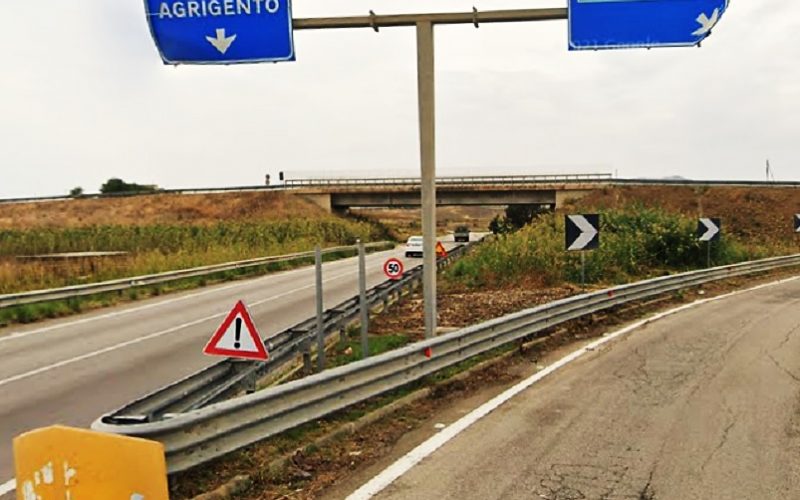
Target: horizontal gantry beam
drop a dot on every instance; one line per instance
(475, 17)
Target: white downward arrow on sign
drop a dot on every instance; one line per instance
(588, 232)
(711, 229)
(705, 23)
(221, 42)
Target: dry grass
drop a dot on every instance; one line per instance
(161, 232)
(749, 213)
(158, 209)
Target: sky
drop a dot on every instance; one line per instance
(85, 97)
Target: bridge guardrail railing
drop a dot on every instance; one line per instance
(37, 296)
(198, 436)
(443, 181)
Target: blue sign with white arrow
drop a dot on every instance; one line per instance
(221, 31)
(619, 24)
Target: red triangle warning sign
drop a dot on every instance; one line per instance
(237, 337)
(440, 250)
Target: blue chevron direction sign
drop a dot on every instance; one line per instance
(582, 232)
(221, 31)
(709, 229)
(618, 24)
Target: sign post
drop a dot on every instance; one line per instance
(58, 462)
(362, 299)
(320, 325)
(427, 148)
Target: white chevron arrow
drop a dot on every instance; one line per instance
(221, 42)
(711, 229)
(705, 23)
(588, 232)
(797, 223)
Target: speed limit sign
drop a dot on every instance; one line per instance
(393, 268)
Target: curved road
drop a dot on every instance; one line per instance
(71, 371)
(702, 404)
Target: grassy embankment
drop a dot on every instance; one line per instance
(165, 239)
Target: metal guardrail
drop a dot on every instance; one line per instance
(36, 296)
(199, 436)
(229, 377)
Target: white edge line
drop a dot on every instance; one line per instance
(407, 462)
(20, 335)
(8, 487)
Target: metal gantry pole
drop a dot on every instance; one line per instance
(427, 148)
(362, 299)
(424, 24)
(320, 325)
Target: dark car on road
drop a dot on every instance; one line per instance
(461, 234)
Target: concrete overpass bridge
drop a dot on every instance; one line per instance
(339, 195)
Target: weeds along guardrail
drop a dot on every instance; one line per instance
(37, 296)
(229, 377)
(196, 437)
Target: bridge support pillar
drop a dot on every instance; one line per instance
(322, 200)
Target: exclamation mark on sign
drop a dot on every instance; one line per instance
(237, 344)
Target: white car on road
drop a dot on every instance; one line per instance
(414, 246)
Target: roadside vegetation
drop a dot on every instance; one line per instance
(636, 242)
(156, 233)
(158, 248)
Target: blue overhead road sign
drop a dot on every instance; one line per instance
(617, 24)
(221, 31)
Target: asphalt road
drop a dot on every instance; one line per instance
(73, 370)
(699, 405)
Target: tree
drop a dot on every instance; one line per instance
(76, 192)
(516, 217)
(115, 185)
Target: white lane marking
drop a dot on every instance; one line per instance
(8, 487)
(405, 463)
(20, 335)
(151, 336)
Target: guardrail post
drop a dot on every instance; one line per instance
(320, 326)
(362, 299)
